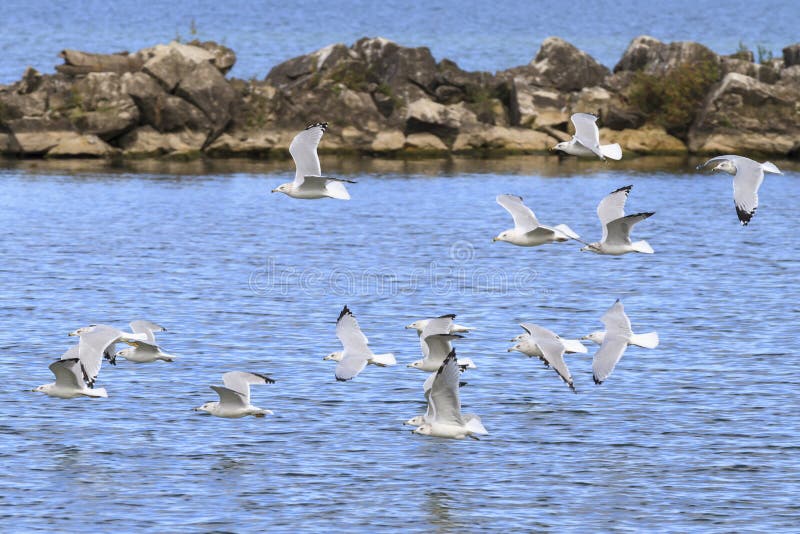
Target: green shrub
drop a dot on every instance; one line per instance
(673, 99)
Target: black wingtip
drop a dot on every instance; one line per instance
(450, 357)
(596, 381)
(323, 125)
(626, 188)
(744, 216)
(447, 316)
(345, 311)
(267, 379)
(338, 379)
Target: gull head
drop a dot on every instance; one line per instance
(124, 353)
(725, 166)
(43, 388)
(560, 147)
(334, 356)
(515, 347)
(416, 421)
(424, 429)
(82, 330)
(504, 236)
(592, 247)
(415, 325)
(417, 364)
(283, 188)
(207, 407)
(517, 339)
(596, 337)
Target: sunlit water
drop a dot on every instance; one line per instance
(477, 35)
(700, 433)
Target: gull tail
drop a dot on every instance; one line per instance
(611, 151)
(768, 166)
(567, 231)
(98, 393)
(337, 190)
(574, 345)
(461, 329)
(167, 357)
(466, 363)
(383, 360)
(647, 341)
(474, 425)
(643, 247)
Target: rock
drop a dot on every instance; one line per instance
(790, 75)
(761, 72)
(224, 58)
(498, 138)
(425, 115)
(647, 140)
(168, 67)
(424, 143)
(31, 81)
(80, 146)
(734, 116)
(388, 141)
(299, 69)
(650, 55)
(208, 90)
(563, 66)
(165, 112)
(77, 62)
(145, 141)
(35, 136)
(102, 106)
(791, 55)
(536, 107)
(397, 65)
(242, 145)
(15, 105)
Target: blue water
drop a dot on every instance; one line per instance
(699, 434)
(474, 34)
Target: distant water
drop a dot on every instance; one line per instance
(479, 36)
(699, 434)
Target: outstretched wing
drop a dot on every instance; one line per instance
(612, 207)
(618, 231)
(607, 356)
(304, 152)
(240, 381)
(92, 346)
(617, 323)
(229, 397)
(147, 328)
(68, 373)
(356, 352)
(444, 392)
(586, 132)
(553, 349)
(524, 218)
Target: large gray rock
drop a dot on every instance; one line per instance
(77, 62)
(224, 58)
(791, 55)
(744, 115)
(102, 108)
(207, 89)
(761, 72)
(425, 115)
(163, 111)
(35, 136)
(561, 65)
(652, 56)
(535, 107)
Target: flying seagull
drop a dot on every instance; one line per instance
(356, 354)
(747, 178)
(615, 340)
(435, 342)
(308, 180)
(527, 231)
(617, 226)
(234, 397)
(70, 379)
(420, 325)
(551, 350)
(586, 141)
(145, 351)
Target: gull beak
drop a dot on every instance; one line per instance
(72, 334)
(409, 365)
(408, 327)
(494, 239)
(584, 337)
(510, 350)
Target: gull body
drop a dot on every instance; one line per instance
(356, 354)
(308, 181)
(586, 141)
(420, 325)
(470, 419)
(617, 226)
(234, 397)
(144, 351)
(527, 231)
(747, 177)
(70, 381)
(435, 342)
(613, 342)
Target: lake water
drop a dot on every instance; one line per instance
(698, 434)
(477, 36)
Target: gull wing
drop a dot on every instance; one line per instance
(524, 218)
(229, 397)
(607, 356)
(239, 381)
(444, 392)
(92, 346)
(147, 328)
(304, 152)
(68, 373)
(586, 132)
(612, 207)
(436, 347)
(618, 231)
(356, 352)
(617, 323)
(553, 349)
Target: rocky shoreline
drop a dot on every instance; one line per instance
(175, 101)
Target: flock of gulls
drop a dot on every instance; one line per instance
(77, 370)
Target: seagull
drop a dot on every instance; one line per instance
(470, 418)
(356, 354)
(615, 340)
(526, 345)
(443, 418)
(617, 226)
(420, 325)
(747, 178)
(234, 397)
(308, 180)
(96, 342)
(143, 351)
(550, 348)
(527, 231)
(435, 344)
(586, 141)
(71, 379)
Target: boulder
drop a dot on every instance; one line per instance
(81, 146)
(31, 81)
(761, 72)
(388, 141)
(502, 139)
(742, 114)
(223, 58)
(536, 107)
(424, 143)
(650, 139)
(561, 65)
(425, 115)
(397, 66)
(146, 141)
(242, 145)
(652, 56)
(102, 106)
(163, 111)
(207, 89)
(168, 67)
(299, 69)
(77, 62)
(791, 55)
(34, 136)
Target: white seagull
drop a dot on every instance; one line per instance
(144, 351)
(586, 141)
(526, 345)
(96, 342)
(527, 231)
(420, 325)
(747, 178)
(234, 397)
(70, 379)
(550, 349)
(615, 340)
(443, 418)
(428, 415)
(308, 180)
(356, 354)
(617, 226)
(435, 344)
